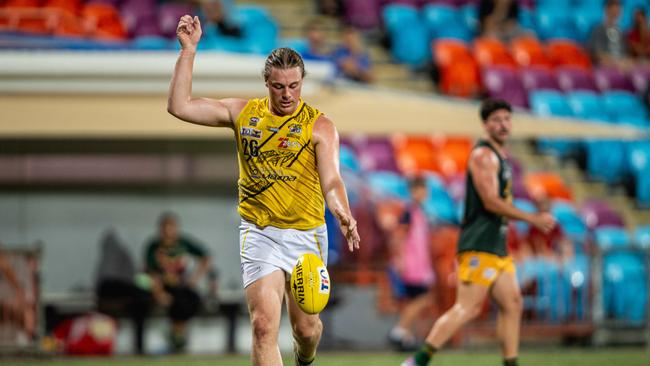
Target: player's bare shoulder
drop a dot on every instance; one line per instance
(324, 129)
(483, 157)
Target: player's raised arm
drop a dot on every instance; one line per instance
(326, 141)
(484, 165)
(203, 111)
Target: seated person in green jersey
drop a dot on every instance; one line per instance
(174, 286)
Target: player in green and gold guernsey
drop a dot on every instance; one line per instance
(288, 169)
(484, 267)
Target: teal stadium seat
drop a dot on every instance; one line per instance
(606, 160)
(587, 105)
(546, 103)
(622, 106)
(408, 35)
(445, 22)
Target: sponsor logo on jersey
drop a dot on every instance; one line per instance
(253, 121)
(251, 132)
(273, 129)
(295, 128)
(324, 287)
(286, 143)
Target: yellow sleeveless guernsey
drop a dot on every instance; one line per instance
(278, 177)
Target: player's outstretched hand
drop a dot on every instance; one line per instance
(349, 229)
(545, 222)
(189, 32)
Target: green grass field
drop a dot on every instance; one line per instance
(545, 357)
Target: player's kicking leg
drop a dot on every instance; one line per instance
(307, 330)
(469, 303)
(264, 298)
(507, 294)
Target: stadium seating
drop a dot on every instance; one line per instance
(608, 79)
(621, 105)
(491, 52)
(547, 103)
(587, 105)
(536, 77)
(570, 79)
(364, 14)
(563, 52)
(547, 184)
(408, 35)
(642, 237)
(504, 83)
(459, 72)
(528, 51)
(553, 23)
(597, 213)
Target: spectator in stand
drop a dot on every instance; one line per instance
(638, 39)
(351, 58)
(167, 258)
(318, 49)
(607, 42)
(411, 268)
(498, 18)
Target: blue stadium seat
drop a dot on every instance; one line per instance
(388, 185)
(571, 222)
(606, 160)
(642, 237)
(300, 45)
(546, 103)
(585, 18)
(643, 189)
(576, 281)
(349, 160)
(469, 13)
(554, 23)
(526, 19)
(526, 206)
(445, 22)
(587, 105)
(638, 156)
(440, 207)
(396, 15)
(151, 43)
(260, 30)
(608, 237)
(408, 36)
(622, 105)
(559, 147)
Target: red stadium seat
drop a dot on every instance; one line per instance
(37, 22)
(69, 26)
(568, 53)
(459, 72)
(490, 52)
(415, 155)
(528, 51)
(547, 184)
(9, 4)
(71, 6)
(104, 21)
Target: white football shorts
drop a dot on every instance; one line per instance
(265, 250)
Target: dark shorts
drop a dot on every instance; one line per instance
(403, 290)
